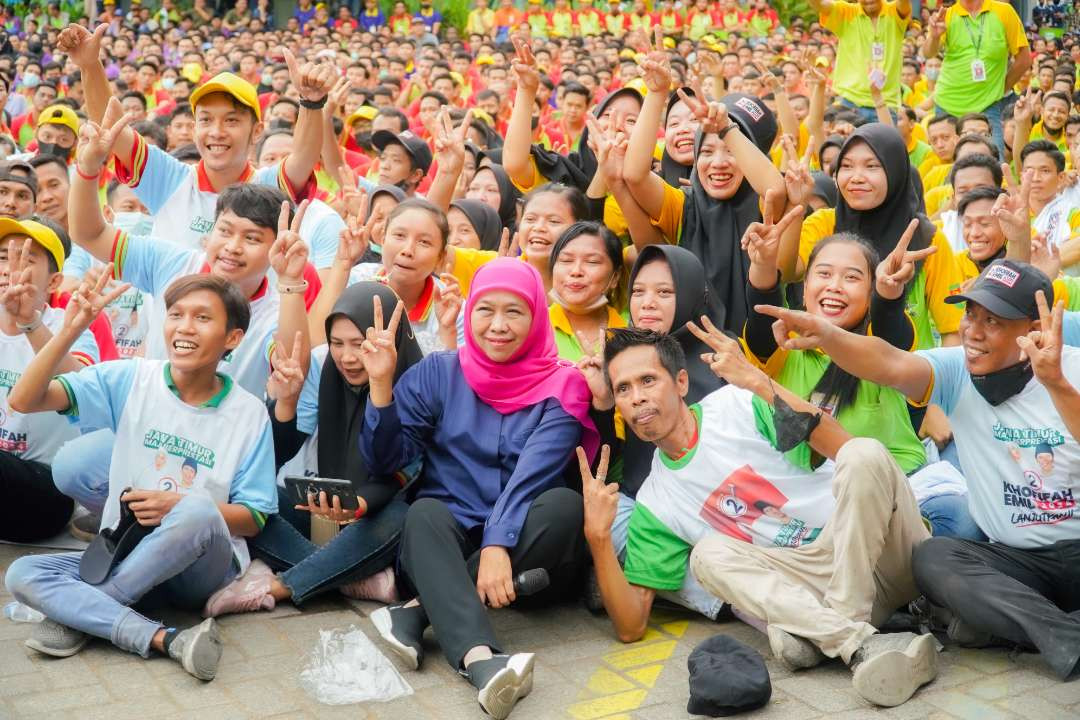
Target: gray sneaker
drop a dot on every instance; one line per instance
(794, 652)
(198, 649)
(888, 669)
(52, 638)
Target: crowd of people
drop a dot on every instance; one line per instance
(674, 304)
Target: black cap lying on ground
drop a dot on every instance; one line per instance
(726, 677)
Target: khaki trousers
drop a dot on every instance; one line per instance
(851, 578)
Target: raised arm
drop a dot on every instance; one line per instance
(932, 44)
(314, 83)
(610, 150)
(288, 257)
(1043, 348)
(352, 244)
(86, 224)
(36, 390)
(449, 156)
(84, 49)
(646, 186)
(516, 148)
(868, 358)
(331, 154)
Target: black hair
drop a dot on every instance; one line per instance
(837, 385)
(978, 160)
(579, 208)
(417, 203)
(187, 153)
(951, 119)
(237, 307)
(137, 95)
(977, 139)
(61, 233)
(983, 192)
(266, 136)
(403, 120)
(181, 110)
(1047, 147)
(910, 112)
(971, 116)
(1059, 96)
(668, 349)
(576, 88)
(40, 160)
(152, 131)
(261, 204)
(439, 97)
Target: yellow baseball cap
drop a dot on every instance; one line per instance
(41, 234)
(364, 112)
(227, 82)
(192, 71)
(60, 115)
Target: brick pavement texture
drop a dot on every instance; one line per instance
(582, 673)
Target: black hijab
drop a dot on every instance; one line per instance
(713, 229)
(577, 168)
(883, 225)
(670, 169)
(691, 302)
(341, 406)
(508, 196)
(825, 188)
(485, 221)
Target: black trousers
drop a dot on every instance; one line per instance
(440, 561)
(31, 508)
(1028, 597)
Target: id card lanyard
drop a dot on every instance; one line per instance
(978, 67)
(877, 47)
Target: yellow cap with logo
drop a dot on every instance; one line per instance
(41, 234)
(364, 112)
(60, 115)
(227, 82)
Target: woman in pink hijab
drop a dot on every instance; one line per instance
(495, 424)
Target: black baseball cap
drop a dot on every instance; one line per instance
(727, 677)
(1007, 288)
(17, 171)
(416, 148)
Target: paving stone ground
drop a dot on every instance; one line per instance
(582, 673)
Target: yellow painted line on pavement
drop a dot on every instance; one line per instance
(628, 672)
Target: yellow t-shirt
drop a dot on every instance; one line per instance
(943, 277)
(970, 271)
(936, 176)
(937, 198)
(613, 215)
(858, 36)
(932, 161)
(776, 154)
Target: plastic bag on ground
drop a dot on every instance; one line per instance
(345, 667)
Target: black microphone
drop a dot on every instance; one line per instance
(531, 582)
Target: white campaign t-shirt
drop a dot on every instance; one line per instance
(36, 436)
(151, 265)
(223, 450)
(734, 482)
(1021, 464)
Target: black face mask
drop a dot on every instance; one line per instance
(997, 387)
(363, 139)
(54, 149)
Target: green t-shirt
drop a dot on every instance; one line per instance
(989, 38)
(858, 36)
(919, 153)
(878, 412)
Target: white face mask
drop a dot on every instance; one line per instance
(134, 223)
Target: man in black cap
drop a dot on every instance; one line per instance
(18, 189)
(404, 159)
(1010, 390)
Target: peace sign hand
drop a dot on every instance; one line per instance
(1025, 105)
(508, 247)
(1011, 210)
(761, 241)
(591, 366)
(287, 376)
(352, 243)
(89, 299)
(20, 296)
(795, 329)
(601, 498)
(937, 22)
(378, 350)
(96, 142)
(894, 272)
(1043, 346)
(450, 142)
(727, 361)
(525, 67)
(797, 178)
(712, 115)
(448, 302)
(289, 253)
(336, 98)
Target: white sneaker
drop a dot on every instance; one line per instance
(248, 593)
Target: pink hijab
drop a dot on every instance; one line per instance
(535, 373)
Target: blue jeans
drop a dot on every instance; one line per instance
(81, 468)
(949, 517)
(867, 113)
(184, 560)
(691, 595)
(361, 549)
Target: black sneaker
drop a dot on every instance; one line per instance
(403, 630)
(501, 681)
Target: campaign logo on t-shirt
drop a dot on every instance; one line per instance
(1003, 275)
(180, 447)
(1044, 498)
(747, 499)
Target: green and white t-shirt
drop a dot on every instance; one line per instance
(733, 481)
